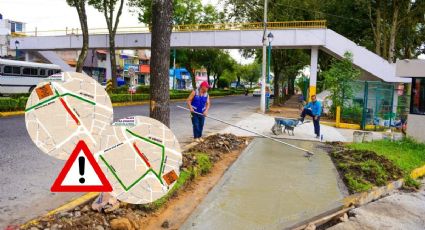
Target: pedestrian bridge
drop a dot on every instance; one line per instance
(287, 35)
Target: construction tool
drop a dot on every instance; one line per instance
(307, 152)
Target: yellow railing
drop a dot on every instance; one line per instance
(183, 28)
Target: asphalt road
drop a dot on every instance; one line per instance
(26, 174)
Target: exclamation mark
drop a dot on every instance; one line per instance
(81, 162)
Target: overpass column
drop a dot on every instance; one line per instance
(108, 66)
(313, 70)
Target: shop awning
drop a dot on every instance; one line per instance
(145, 69)
(102, 51)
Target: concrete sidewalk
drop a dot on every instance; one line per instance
(263, 123)
(400, 210)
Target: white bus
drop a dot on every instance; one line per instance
(21, 76)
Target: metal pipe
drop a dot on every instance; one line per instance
(308, 153)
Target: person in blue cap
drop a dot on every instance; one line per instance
(314, 110)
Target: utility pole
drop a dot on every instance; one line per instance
(174, 68)
(263, 67)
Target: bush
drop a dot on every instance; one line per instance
(16, 103)
(143, 89)
(11, 104)
(223, 83)
(128, 97)
(120, 90)
(352, 114)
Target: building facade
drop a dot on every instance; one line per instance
(415, 69)
(8, 28)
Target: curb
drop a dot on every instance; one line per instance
(10, 114)
(86, 198)
(359, 199)
(65, 207)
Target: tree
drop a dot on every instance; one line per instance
(338, 78)
(80, 6)
(162, 25)
(186, 12)
(222, 62)
(387, 18)
(107, 7)
(250, 73)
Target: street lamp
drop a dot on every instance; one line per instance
(16, 49)
(269, 55)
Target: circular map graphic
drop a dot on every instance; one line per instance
(142, 159)
(64, 109)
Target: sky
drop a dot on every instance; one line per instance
(57, 15)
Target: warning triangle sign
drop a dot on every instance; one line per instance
(81, 173)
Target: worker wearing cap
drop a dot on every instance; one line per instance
(314, 110)
(199, 104)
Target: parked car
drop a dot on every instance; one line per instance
(257, 93)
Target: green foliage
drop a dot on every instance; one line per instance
(186, 12)
(128, 97)
(357, 184)
(411, 184)
(203, 166)
(406, 154)
(338, 79)
(250, 73)
(352, 114)
(143, 89)
(120, 90)
(303, 83)
(13, 104)
(363, 169)
(223, 83)
(184, 177)
(203, 163)
(18, 104)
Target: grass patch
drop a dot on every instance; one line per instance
(411, 184)
(364, 165)
(362, 169)
(407, 154)
(202, 166)
(184, 177)
(203, 163)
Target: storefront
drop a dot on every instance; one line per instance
(131, 74)
(416, 118)
(180, 79)
(200, 76)
(144, 74)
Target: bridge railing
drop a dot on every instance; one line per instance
(185, 28)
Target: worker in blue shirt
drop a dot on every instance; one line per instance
(314, 110)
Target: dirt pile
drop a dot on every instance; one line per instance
(362, 169)
(131, 217)
(218, 144)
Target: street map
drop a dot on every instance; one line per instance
(142, 159)
(66, 108)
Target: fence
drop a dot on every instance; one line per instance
(379, 104)
(183, 28)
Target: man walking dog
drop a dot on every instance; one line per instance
(314, 110)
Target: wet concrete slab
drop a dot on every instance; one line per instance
(270, 186)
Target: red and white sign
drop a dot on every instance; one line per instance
(81, 173)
